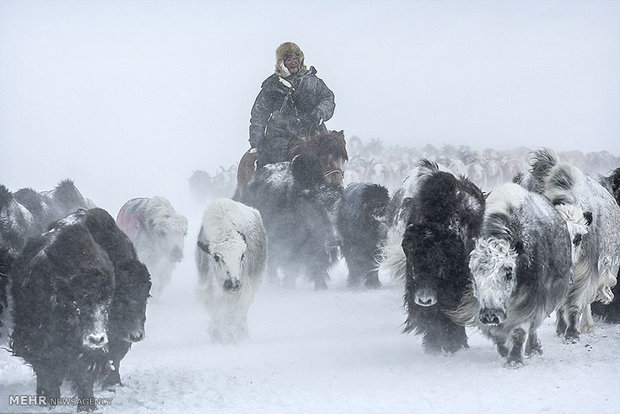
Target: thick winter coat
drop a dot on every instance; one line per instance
(157, 232)
(286, 109)
(598, 261)
(393, 261)
(446, 216)
(611, 312)
(361, 221)
(133, 283)
(230, 255)
(62, 288)
(521, 270)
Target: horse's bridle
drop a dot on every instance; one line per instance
(334, 171)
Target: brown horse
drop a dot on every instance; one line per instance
(328, 146)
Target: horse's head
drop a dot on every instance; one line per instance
(331, 150)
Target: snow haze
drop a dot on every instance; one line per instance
(127, 98)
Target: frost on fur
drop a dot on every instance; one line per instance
(230, 256)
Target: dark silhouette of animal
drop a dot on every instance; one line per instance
(16, 222)
(362, 226)
(73, 249)
(231, 252)
(27, 213)
(446, 217)
(158, 233)
(49, 206)
(598, 261)
(611, 312)
(133, 283)
(200, 185)
(299, 210)
(393, 261)
(6, 260)
(329, 148)
(62, 288)
(521, 270)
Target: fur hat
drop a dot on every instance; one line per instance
(285, 50)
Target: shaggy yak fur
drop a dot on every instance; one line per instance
(157, 232)
(361, 221)
(446, 217)
(6, 260)
(597, 257)
(49, 206)
(62, 288)
(299, 209)
(393, 262)
(611, 312)
(16, 223)
(133, 283)
(231, 253)
(84, 268)
(521, 268)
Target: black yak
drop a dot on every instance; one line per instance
(16, 222)
(363, 229)
(393, 261)
(62, 288)
(42, 278)
(446, 217)
(299, 210)
(128, 310)
(6, 260)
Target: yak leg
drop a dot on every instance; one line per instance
(440, 333)
(574, 317)
(83, 387)
(48, 382)
(272, 272)
(291, 272)
(117, 350)
(515, 356)
(355, 270)
(372, 274)
(561, 325)
(533, 344)
(587, 322)
(317, 271)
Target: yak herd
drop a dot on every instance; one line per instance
(500, 255)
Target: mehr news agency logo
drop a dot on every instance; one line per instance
(42, 400)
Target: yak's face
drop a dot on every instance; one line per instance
(375, 205)
(227, 258)
(128, 309)
(436, 257)
(493, 267)
(320, 212)
(89, 295)
(168, 236)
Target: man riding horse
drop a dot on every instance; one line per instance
(292, 103)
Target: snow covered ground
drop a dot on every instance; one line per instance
(336, 351)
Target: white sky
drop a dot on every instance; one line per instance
(136, 95)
